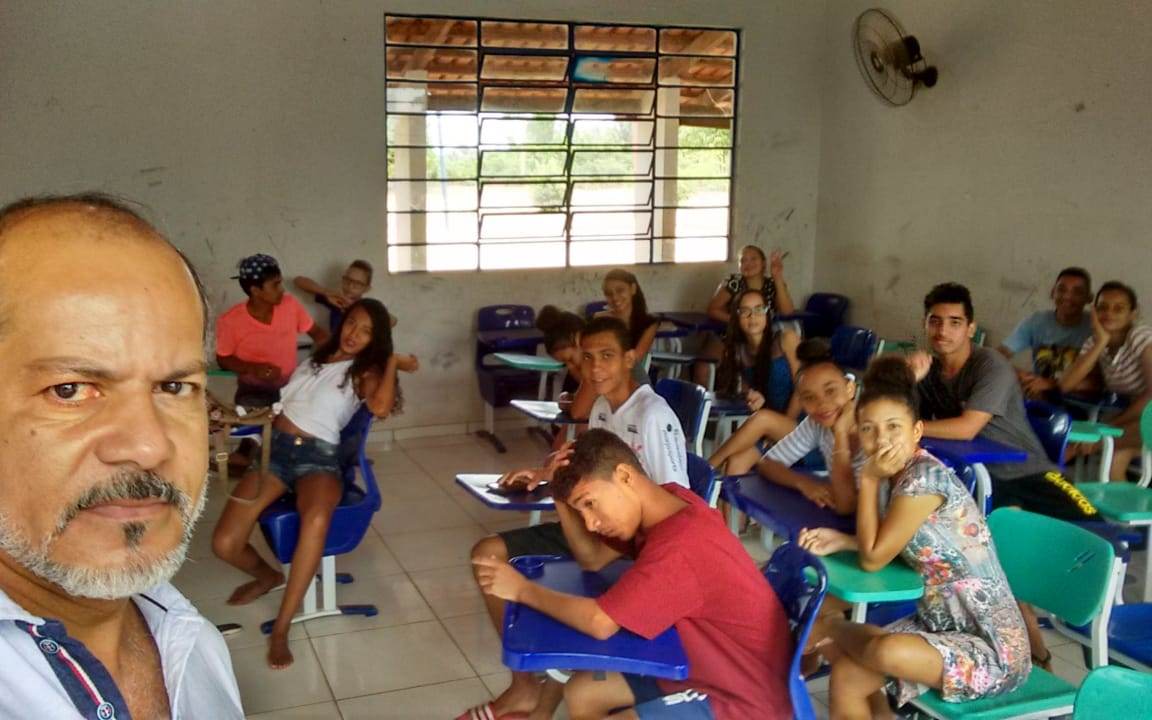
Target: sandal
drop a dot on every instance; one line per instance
(488, 712)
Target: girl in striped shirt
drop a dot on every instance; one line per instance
(1120, 353)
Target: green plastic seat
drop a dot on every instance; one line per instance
(1112, 692)
(895, 582)
(1087, 432)
(1057, 567)
(1120, 502)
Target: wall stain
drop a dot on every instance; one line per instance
(1079, 107)
(444, 360)
(153, 169)
(154, 183)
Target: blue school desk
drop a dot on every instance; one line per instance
(477, 486)
(534, 642)
(895, 582)
(696, 322)
(728, 412)
(779, 510)
(976, 453)
(511, 339)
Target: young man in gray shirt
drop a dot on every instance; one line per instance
(968, 391)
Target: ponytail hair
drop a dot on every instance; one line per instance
(561, 329)
(890, 378)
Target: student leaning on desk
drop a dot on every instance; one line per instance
(690, 573)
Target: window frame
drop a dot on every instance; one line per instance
(655, 204)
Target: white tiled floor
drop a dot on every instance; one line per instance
(431, 652)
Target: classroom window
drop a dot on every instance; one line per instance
(517, 144)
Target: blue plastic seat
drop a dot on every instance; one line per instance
(702, 478)
(280, 523)
(822, 314)
(590, 309)
(800, 583)
(852, 347)
(500, 384)
(691, 404)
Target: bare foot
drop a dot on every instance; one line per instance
(279, 656)
(522, 695)
(249, 591)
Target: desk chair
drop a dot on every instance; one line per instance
(1057, 567)
(280, 524)
(499, 384)
(702, 478)
(853, 347)
(800, 583)
(1109, 692)
(591, 308)
(691, 404)
(822, 314)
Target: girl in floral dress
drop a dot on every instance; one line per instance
(967, 638)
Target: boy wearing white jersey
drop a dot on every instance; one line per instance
(632, 412)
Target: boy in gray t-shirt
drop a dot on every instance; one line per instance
(968, 391)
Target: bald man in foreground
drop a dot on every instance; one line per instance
(103, 463)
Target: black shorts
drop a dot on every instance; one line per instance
(254, 397)
(1047, 493)
(542, 539)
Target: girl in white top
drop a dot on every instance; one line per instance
(827, 396)
(1120, 353)
(356, 364)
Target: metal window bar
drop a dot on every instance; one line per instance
(657, 81)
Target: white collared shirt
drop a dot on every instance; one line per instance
(37, 659)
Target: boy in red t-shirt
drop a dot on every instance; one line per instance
(690, 573)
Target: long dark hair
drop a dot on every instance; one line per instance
(374, 356)
(640, 320)
(728, 371)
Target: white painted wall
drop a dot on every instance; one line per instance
(257, 125)
(1034, 152)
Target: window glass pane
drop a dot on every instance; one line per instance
(432, 130)
(522, 163)
(522, 225)
(611, 194)
(687, 41)
(701, 221)
(524, 99)
(518, 131)
(433, 227)
(615, 38)
(620, 102)
(611, 162)
(697, 71)
(701, 102)
(406, 97)
(525, 68)
(433, 163)
(610, 252)
(607, 69)
(404, 195)
(692, 193)
(407, 63)
(495, 256)
(432, 257)
(534, 36)
(702, 132)
(611, 224)
(613, 132)
(698, 249)
(521, 195)
(693, 163)
(430, 31)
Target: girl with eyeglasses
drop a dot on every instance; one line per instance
(758, 361)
